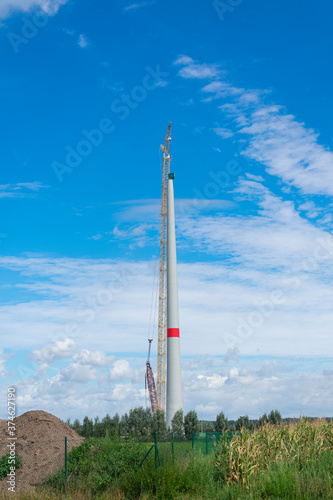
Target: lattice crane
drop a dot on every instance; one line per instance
(150, 381)
(162, 301)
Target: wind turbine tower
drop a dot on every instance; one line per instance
(169, 377)
(174, 375)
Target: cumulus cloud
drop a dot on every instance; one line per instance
(10, 7)
(77, 372)
(245, 392)
(94, 358)
(59, 350)
(120, 370)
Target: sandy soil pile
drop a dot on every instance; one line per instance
(41, 444)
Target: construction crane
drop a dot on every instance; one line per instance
(162, 298)
(150, 381)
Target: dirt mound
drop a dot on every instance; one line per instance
(41, 445)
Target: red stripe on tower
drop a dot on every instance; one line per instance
(173, 332)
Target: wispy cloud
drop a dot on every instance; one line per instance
(225, 133)
(136, 6)
(20, 189)
(193, 69)
(275, 138)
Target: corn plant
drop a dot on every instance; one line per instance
(249, 454)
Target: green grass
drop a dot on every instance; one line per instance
(275, 462)
(97, 463)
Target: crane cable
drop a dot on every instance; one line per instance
(155, 286)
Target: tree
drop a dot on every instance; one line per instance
(140, 422)
(77, 426)
(177, 423)
(221, 423)
(191, 422)
(159, 424)
(263, 420)
(99, 429)
(210, 427)
(123, 426)
(107, 423)
(243, 422)
(87, 427)
(275, 417)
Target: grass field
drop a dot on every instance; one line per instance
(274, 462)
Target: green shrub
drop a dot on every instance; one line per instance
(5, 465)
(97, 463)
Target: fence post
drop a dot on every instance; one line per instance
(156, 452)
(192, 440)
(65, 465)
(206, 443)
(172, 447)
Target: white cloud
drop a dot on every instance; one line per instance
(193, 69)
(20, 189)
(310, 209)
(3, 359)
(83, 41)
(256, 178)
(77, 372)
(225, 133)
(120, 370)
(215, 381)
(94, 358)
(245, 392)
(60, 349)
(289, 150)
(10, 7)
(274, 138)
(136, 6)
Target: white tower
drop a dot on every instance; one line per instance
(174, 375)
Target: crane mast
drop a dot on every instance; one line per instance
(162, 301)
(150, 381)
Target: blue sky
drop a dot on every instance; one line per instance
(87, 91)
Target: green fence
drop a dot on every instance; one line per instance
(178, 446)
(63, 462)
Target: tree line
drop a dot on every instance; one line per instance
(141, 422)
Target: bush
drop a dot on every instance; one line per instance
(5, 465)
(96, 463)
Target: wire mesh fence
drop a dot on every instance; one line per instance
(26, 464)
(57, 464)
